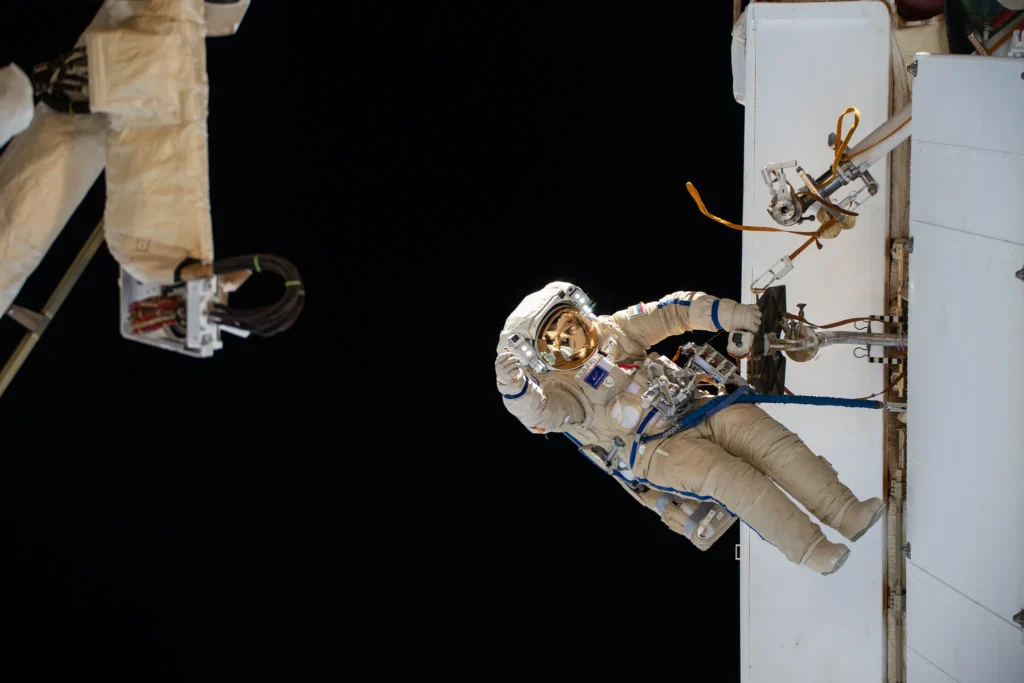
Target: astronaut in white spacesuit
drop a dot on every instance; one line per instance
(561, 368)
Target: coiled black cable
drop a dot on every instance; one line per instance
(265, 321)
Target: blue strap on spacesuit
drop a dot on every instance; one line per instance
(526, 385)
(714, 315)
(745, 394)
(813, 401)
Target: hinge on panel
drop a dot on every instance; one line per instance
(30, 320)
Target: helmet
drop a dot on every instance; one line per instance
(551, 329)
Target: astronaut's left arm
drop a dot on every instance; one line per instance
(540, 409)
(679, 312)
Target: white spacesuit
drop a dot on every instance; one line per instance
(15, 102)
(562, 369)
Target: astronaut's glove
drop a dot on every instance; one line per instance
(509, 373)
(734, 316)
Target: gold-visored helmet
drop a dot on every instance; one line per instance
(566, 338)
(551, 329)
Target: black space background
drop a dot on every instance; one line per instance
(351, 497)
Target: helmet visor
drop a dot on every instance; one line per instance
(566, 339)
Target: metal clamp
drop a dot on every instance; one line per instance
(784, 207)
(849, 172)
(608, 457)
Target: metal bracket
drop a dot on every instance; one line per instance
(853, 200)
(906, 550)
(737, 556)
(909, 246)
(778, 271)
(896, 407)
(1020, 274)
(30, 320)
(899, 245)
(912, 68)
(1018, 617)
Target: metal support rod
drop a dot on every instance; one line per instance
(828, 338)
(827, 185)
(894, 131)
(64, 287)
(882, 140)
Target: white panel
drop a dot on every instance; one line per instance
(957, 636)
(797, 625)
(969, 102)
(965, 514)
(968, 155)
(965, 518)
(970, 190)
(920, 670)
(744, 602)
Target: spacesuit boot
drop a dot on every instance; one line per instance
(827, 557)
(855, 520)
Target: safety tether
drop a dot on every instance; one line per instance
(744, 394)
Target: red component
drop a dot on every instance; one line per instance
(998, 21)
(155, 303)
(627, 366)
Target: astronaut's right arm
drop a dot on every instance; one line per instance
(540, 409)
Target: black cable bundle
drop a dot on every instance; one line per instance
(265, 321)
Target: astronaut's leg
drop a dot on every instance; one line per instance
(690, 464)
(750, 433)
(45, 174)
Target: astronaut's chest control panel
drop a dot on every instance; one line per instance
(667, 386)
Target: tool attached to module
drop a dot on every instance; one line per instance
(740, 344)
